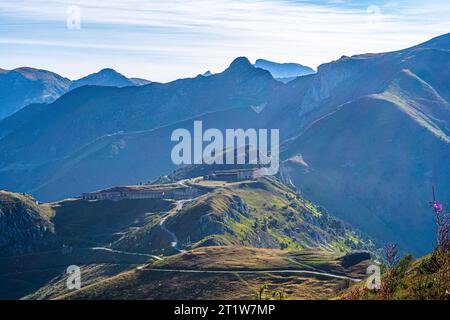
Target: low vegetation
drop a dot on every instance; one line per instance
(427, 278)
(148, 283)
(265, 214)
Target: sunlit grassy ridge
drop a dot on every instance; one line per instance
(262, 213)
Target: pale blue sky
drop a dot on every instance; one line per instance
(168, 39)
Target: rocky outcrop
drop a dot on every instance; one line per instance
(328, 77)
(24, 225)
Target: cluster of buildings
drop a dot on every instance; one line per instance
(231, 175)
(168, 191)
(143, 192)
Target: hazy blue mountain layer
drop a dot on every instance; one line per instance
(366, 136)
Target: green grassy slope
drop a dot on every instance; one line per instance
(360, 159)
(262, 213)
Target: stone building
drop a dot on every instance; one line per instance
(143, 192)
(232, 175)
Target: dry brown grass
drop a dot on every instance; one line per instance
(149, 284)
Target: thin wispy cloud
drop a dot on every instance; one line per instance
(164, 40)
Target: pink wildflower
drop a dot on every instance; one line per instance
(437, 207)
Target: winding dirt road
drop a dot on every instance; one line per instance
(254, 271)
(126, 252)
(174, 243)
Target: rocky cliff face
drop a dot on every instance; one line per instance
(338, 80)
(24, 225)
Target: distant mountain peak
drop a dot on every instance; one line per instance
(283, 71)
(23, 86)
(104, 77)
(240, 63)
(28, 69)
(109, 70)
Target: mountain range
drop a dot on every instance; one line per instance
(24, 86)
(30, 85)
(365, 136)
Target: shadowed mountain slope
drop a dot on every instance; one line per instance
(89, 116)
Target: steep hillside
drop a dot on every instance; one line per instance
(29, 227)
(25, 226)
(349, 78)
(39, 242)
(365, 183)
(407, 125)
(378, 141)
(263, 214)
(100, 111)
